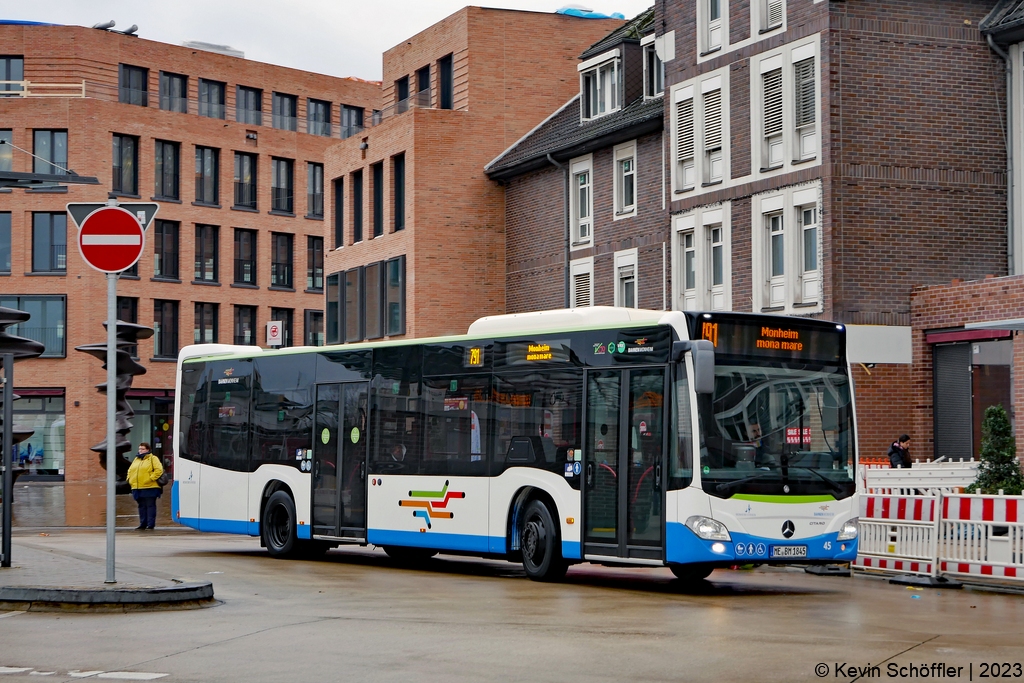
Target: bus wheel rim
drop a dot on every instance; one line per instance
(533, 541)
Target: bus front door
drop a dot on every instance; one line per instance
(623, 492)
(339, 461)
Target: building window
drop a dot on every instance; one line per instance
(686, 176)
(173, 92)
(165, 328)
(582, 201)
(128, 312)
(446, 82)
(44, 418)
(133, 85)
(581, 281)
(688, 247)
(810, 278)
(165, 254)
(314, 263)
(249, 105)
(398, 193)
(51, 150)
(351, 121)
(702, 259)
(600, 89)
(315, 189)
(378, 198)
(402, 95)
(49, 242)
(332, 315)
(11, 69)
(206, 253)
(394, 274)
(245, 257)
(353, 312)
(125, 165)
(373, 287)
(245, 325)
(285, 111)
(281, 198)
(654, 73)
(713, 26)
(625, 180)
(713, 160)
(166, 163)
(357, 207)
(772, 14)
(318, 117)
(5, 241)
(245, 180)
(376, 117)
(286, 317)
(805, 108)
(625, 264)
(771, 90)
(211, 98)
(423, 87)
(787, 134)
(775, 226)
(313, 325)
(281, 260)
(700, 122)
(6, 150)
(205, 331)
(46, 325)
(207, 175)
(785, 254)
(339, 213)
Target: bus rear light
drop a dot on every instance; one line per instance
(708, 529)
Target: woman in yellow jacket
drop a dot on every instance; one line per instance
(142, 476)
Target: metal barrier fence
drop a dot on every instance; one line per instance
(962, 535)
(924, 478)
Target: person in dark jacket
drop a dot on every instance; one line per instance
(899, 453)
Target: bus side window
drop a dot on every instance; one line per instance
(680, 460)
(227, 441)
(192, 420)
(458, 425)
(396, 411)
(282, 408)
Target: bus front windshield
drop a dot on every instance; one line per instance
(781, 429)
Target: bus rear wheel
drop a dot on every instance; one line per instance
(542, 556)
(691, 573)
(278, 526)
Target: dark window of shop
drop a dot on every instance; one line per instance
(281, 181)
(395, 295)
(49, 242)
(457, 424)
(284, 111)
(314, 264)
(46, 325)
(353, 310)
(165, 253)
(351, 121)
(374, 286)
(281, 260)
(378, 199)
(245, 180)
(282, 408)
(357, 206)
(133, 85)
(207, 175)
(165, 329)
(249, 105)
(398, 167)
(285, 316)
(128, 312)
(332, 312)
(206, 253)
(339, 213)
(228, 415)
(42, 454)
(314, 328)
(125, 165)
(446, 82)
(205, 328)
(314, 190)
(211, 98)
(167, 169)
(173, 92)
(245, 257)
(5, 241)
(318, 117)
(12, 68)
(50, 148)
(245, 325)
(152, 422)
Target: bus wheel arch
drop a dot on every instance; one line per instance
(536, 534)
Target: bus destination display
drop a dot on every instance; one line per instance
(776, 340)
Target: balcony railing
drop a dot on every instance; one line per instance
(176, 104)
(315, 202)
(53, 260)
(51, 337)
(134, 96)
(211, 110)
(245, 194)
(245, 271)
(32, 89)
(349, 131)
(253, 117)
(281, 274)
(284, 122)
(321, 128)
(281, 199)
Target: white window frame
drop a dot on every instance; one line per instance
(797, 291)
(578, 166)
(765, 10)
(759, 25)
(621, 154)
(657, 88)
(607, 92)
(581, 267)
(703, 165)
(810, 278)
(701, 224)
(625, 264)
(713, 34)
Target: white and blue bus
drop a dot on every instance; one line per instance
(607, 435)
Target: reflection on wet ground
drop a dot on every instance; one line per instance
(57, 504)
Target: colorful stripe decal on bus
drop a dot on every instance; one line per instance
(432, 509)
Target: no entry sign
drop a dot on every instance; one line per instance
(111, 239)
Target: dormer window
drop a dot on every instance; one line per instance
(654, 72)
(600, 83)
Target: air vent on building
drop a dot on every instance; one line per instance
(210, 47)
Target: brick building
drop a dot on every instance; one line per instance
(233, 152)
(416, 235)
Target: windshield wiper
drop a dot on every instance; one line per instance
(730, 484)
(833, 485)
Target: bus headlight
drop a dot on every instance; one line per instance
(708, 529)
(849, 530)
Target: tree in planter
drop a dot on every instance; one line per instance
(999, 467)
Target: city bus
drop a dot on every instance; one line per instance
(614, 436)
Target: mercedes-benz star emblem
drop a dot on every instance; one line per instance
(788, 529)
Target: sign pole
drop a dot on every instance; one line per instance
(8, 461)
(111, 412)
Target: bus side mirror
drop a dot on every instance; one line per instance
(703, 363)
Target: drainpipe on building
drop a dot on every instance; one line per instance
(1009, 153)
(565, 167)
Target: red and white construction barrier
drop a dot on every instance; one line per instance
(897, 533)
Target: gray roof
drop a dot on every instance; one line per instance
(634, 30)
(1005, 23)
(563, 136)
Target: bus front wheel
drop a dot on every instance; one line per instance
(542, 556)
(278, 526)
(691, 573)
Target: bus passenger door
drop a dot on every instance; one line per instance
(339, 460)
(623, 491)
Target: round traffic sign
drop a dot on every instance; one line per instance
(111, 239)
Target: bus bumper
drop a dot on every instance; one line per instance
(685, 547)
